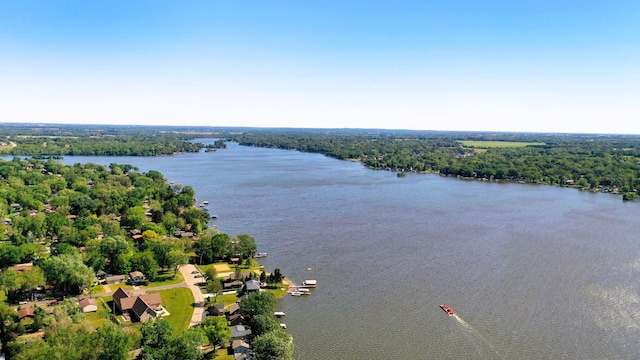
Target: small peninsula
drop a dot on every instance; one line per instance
(109, 261)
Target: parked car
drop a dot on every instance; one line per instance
(198, 276)
(195, 272)
(22, 302)
(52, 303)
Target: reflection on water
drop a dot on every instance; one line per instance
(532, 271)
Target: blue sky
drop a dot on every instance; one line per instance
(551, 66)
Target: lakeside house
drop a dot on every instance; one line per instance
(239, 331)
(240, 349)
(232, 284)
(250, 286)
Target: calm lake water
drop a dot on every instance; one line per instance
(533, 272)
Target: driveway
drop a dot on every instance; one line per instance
(198, 299)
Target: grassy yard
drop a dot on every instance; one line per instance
(166, 279)
(115, 287)
(98, 289)
(225, 299)
(278, 292)
(99, 318)
(179, 303)
(221, 267)
(224, 268)
(220, 354)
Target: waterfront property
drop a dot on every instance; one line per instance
(532, 247)
(239, 332)
(250, 286)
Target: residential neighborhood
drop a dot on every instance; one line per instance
(114, 251)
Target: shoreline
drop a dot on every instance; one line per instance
(288, 286)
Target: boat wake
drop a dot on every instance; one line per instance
(462, 322)
(474, 332)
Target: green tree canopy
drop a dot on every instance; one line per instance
(217, 330)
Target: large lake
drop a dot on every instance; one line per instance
(533, 272)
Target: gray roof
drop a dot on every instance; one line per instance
(252, 285)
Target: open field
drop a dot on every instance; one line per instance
(497, 144)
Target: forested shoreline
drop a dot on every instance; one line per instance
(64, 225)
(94, 141)
(609, 163)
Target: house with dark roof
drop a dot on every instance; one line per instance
(235, 319)
(141, 307)
(216, 309)
(232, 284)
(142, 310)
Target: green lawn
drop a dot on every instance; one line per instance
(179, 303)
(98, 289)
(99, 318)
(278, 292)
(115, 287)
(225, 299)
(220, 354)
(166, 279)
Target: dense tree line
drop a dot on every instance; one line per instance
(92, 207)
(599, 162)
(95, 140)
(122, 145)
(70, 222)
(73, 221)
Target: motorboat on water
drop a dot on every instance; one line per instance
(447, 309)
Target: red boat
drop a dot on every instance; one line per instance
(447, 309)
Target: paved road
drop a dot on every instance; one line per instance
(198, 299)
